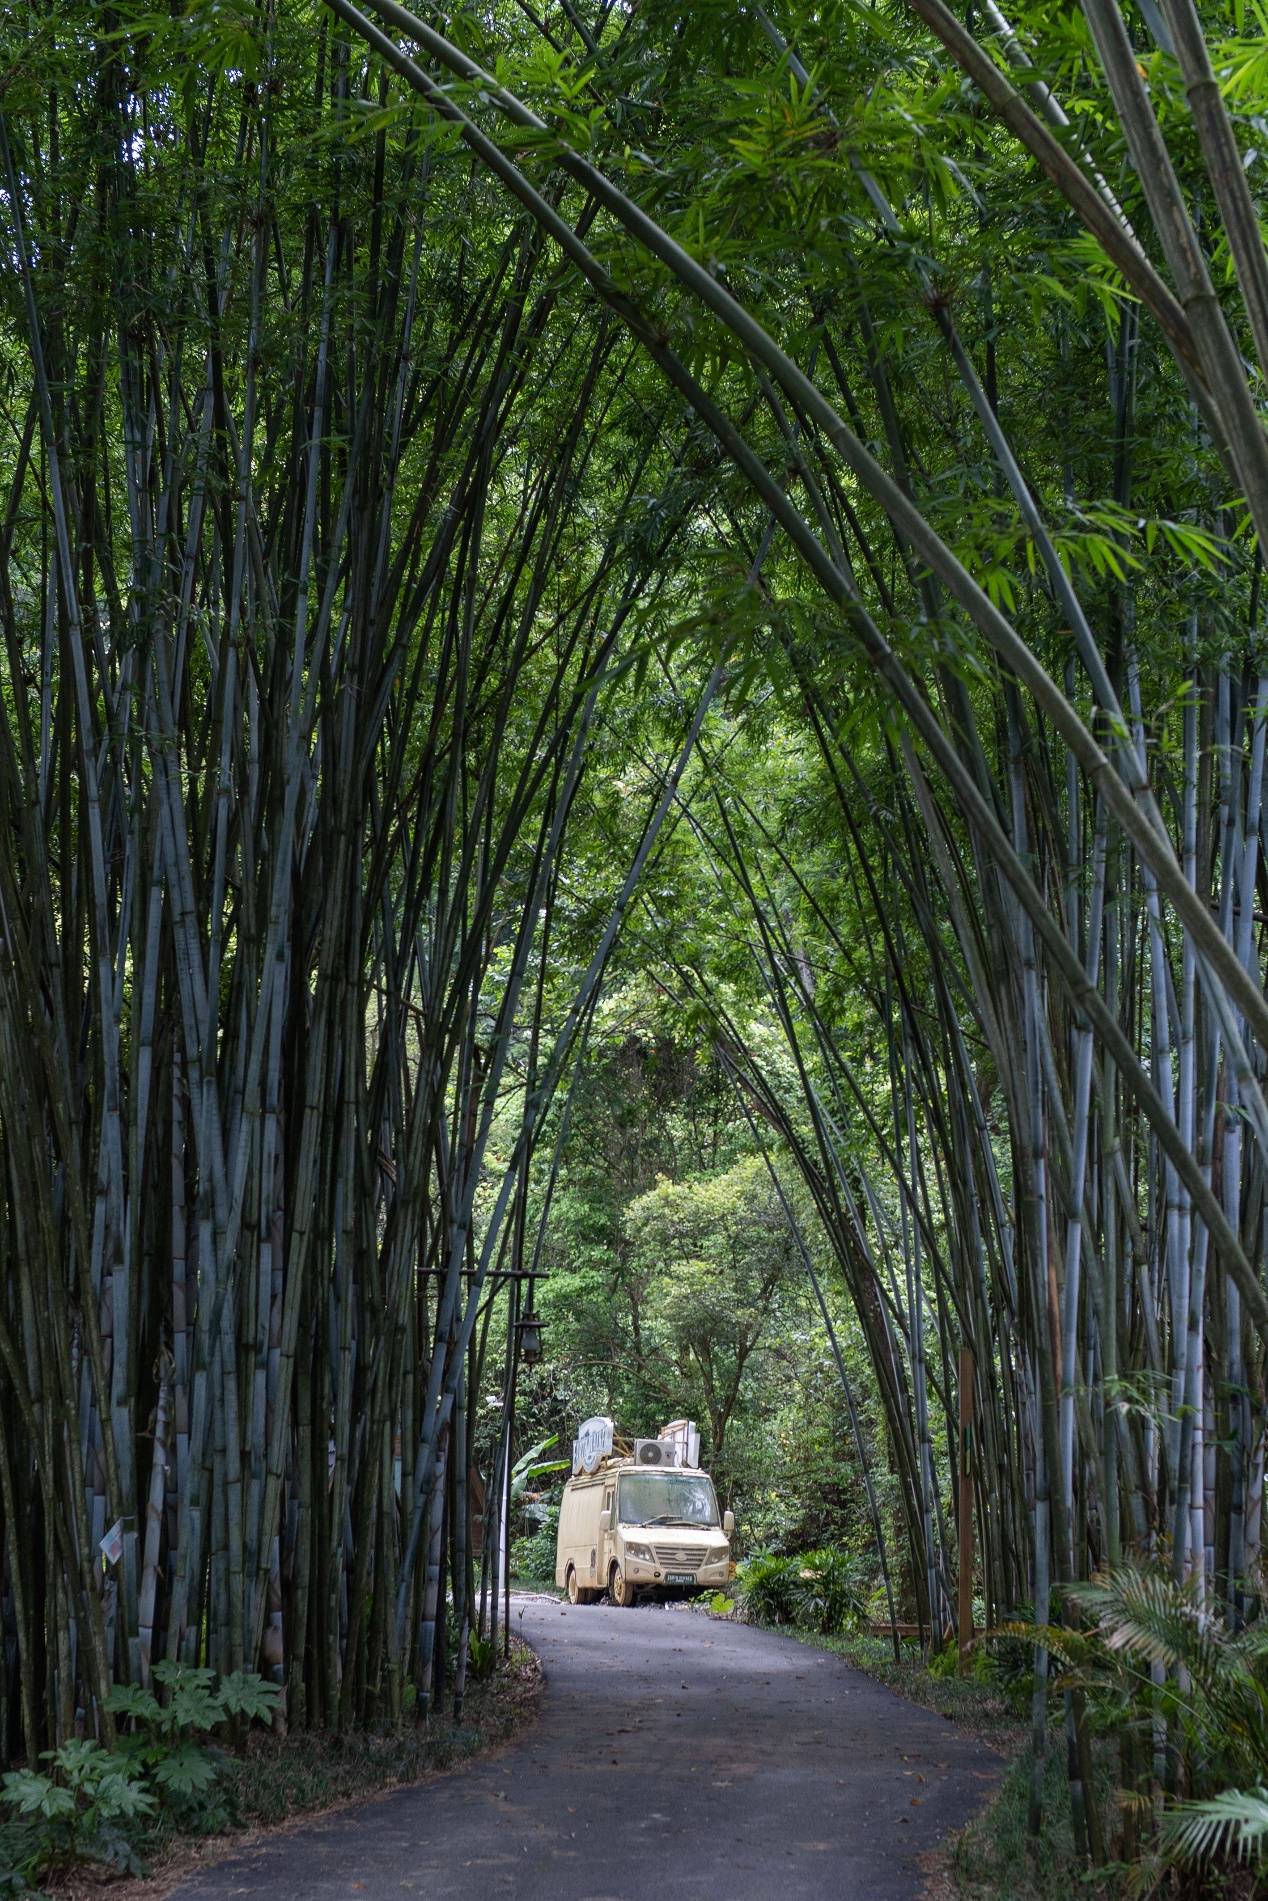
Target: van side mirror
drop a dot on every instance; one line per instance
(728, 1523)
(605, 1521)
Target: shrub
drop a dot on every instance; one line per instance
(93, 1801)
(79, 1812)
(482, 1657)
(830, 1594)
(823, 1591)
(161, 1741)
(534, 1556)
(769, 1589)
(196, 1703)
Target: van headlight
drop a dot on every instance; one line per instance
(642, 1553)
(717, 1554)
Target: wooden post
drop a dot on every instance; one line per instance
(964, 1609)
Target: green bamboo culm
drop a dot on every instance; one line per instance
(302, 661)
(413, 434)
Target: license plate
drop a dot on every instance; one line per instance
(680, 1577)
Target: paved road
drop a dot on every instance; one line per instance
(675, 1759)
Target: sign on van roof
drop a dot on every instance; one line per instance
(592, 1445)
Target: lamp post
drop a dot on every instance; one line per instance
(530, 1332)
(526, 1350)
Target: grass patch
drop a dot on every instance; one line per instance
(994, 1858)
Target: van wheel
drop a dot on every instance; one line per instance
(620, 1590)
(577, 1593)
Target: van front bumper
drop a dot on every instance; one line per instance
(707, 1576)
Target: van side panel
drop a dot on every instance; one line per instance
(578, 1540)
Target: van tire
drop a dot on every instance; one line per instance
(620, 1591)
(578, 1592)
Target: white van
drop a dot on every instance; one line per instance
(633, 1531)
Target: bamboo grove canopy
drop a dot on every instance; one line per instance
(775, 496)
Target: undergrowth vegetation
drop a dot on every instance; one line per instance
(824, 1591)
(202, 1766)
(1181, 1694)
(533, 1556)
(94, 1801)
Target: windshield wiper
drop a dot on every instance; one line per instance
(665, 1519)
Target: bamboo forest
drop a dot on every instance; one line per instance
(633, 709)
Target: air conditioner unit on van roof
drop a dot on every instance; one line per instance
(655, 1452)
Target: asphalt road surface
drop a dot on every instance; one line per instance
(675, 1758)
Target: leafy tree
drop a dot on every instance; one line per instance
(711, 1252)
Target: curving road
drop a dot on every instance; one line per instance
(674, 1758)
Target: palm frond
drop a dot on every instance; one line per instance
(1148, 1617)
(1235, 1822)
(1074, 1648)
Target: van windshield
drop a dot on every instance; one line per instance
(666, 1498)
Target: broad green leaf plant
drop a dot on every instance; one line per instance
(86, 1808)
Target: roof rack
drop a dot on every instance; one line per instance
(598, 1444)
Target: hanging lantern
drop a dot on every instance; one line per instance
(530, 1339)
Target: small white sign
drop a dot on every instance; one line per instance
(111, 1546)
(591, 1445)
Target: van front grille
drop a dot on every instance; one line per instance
(678, 1557)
